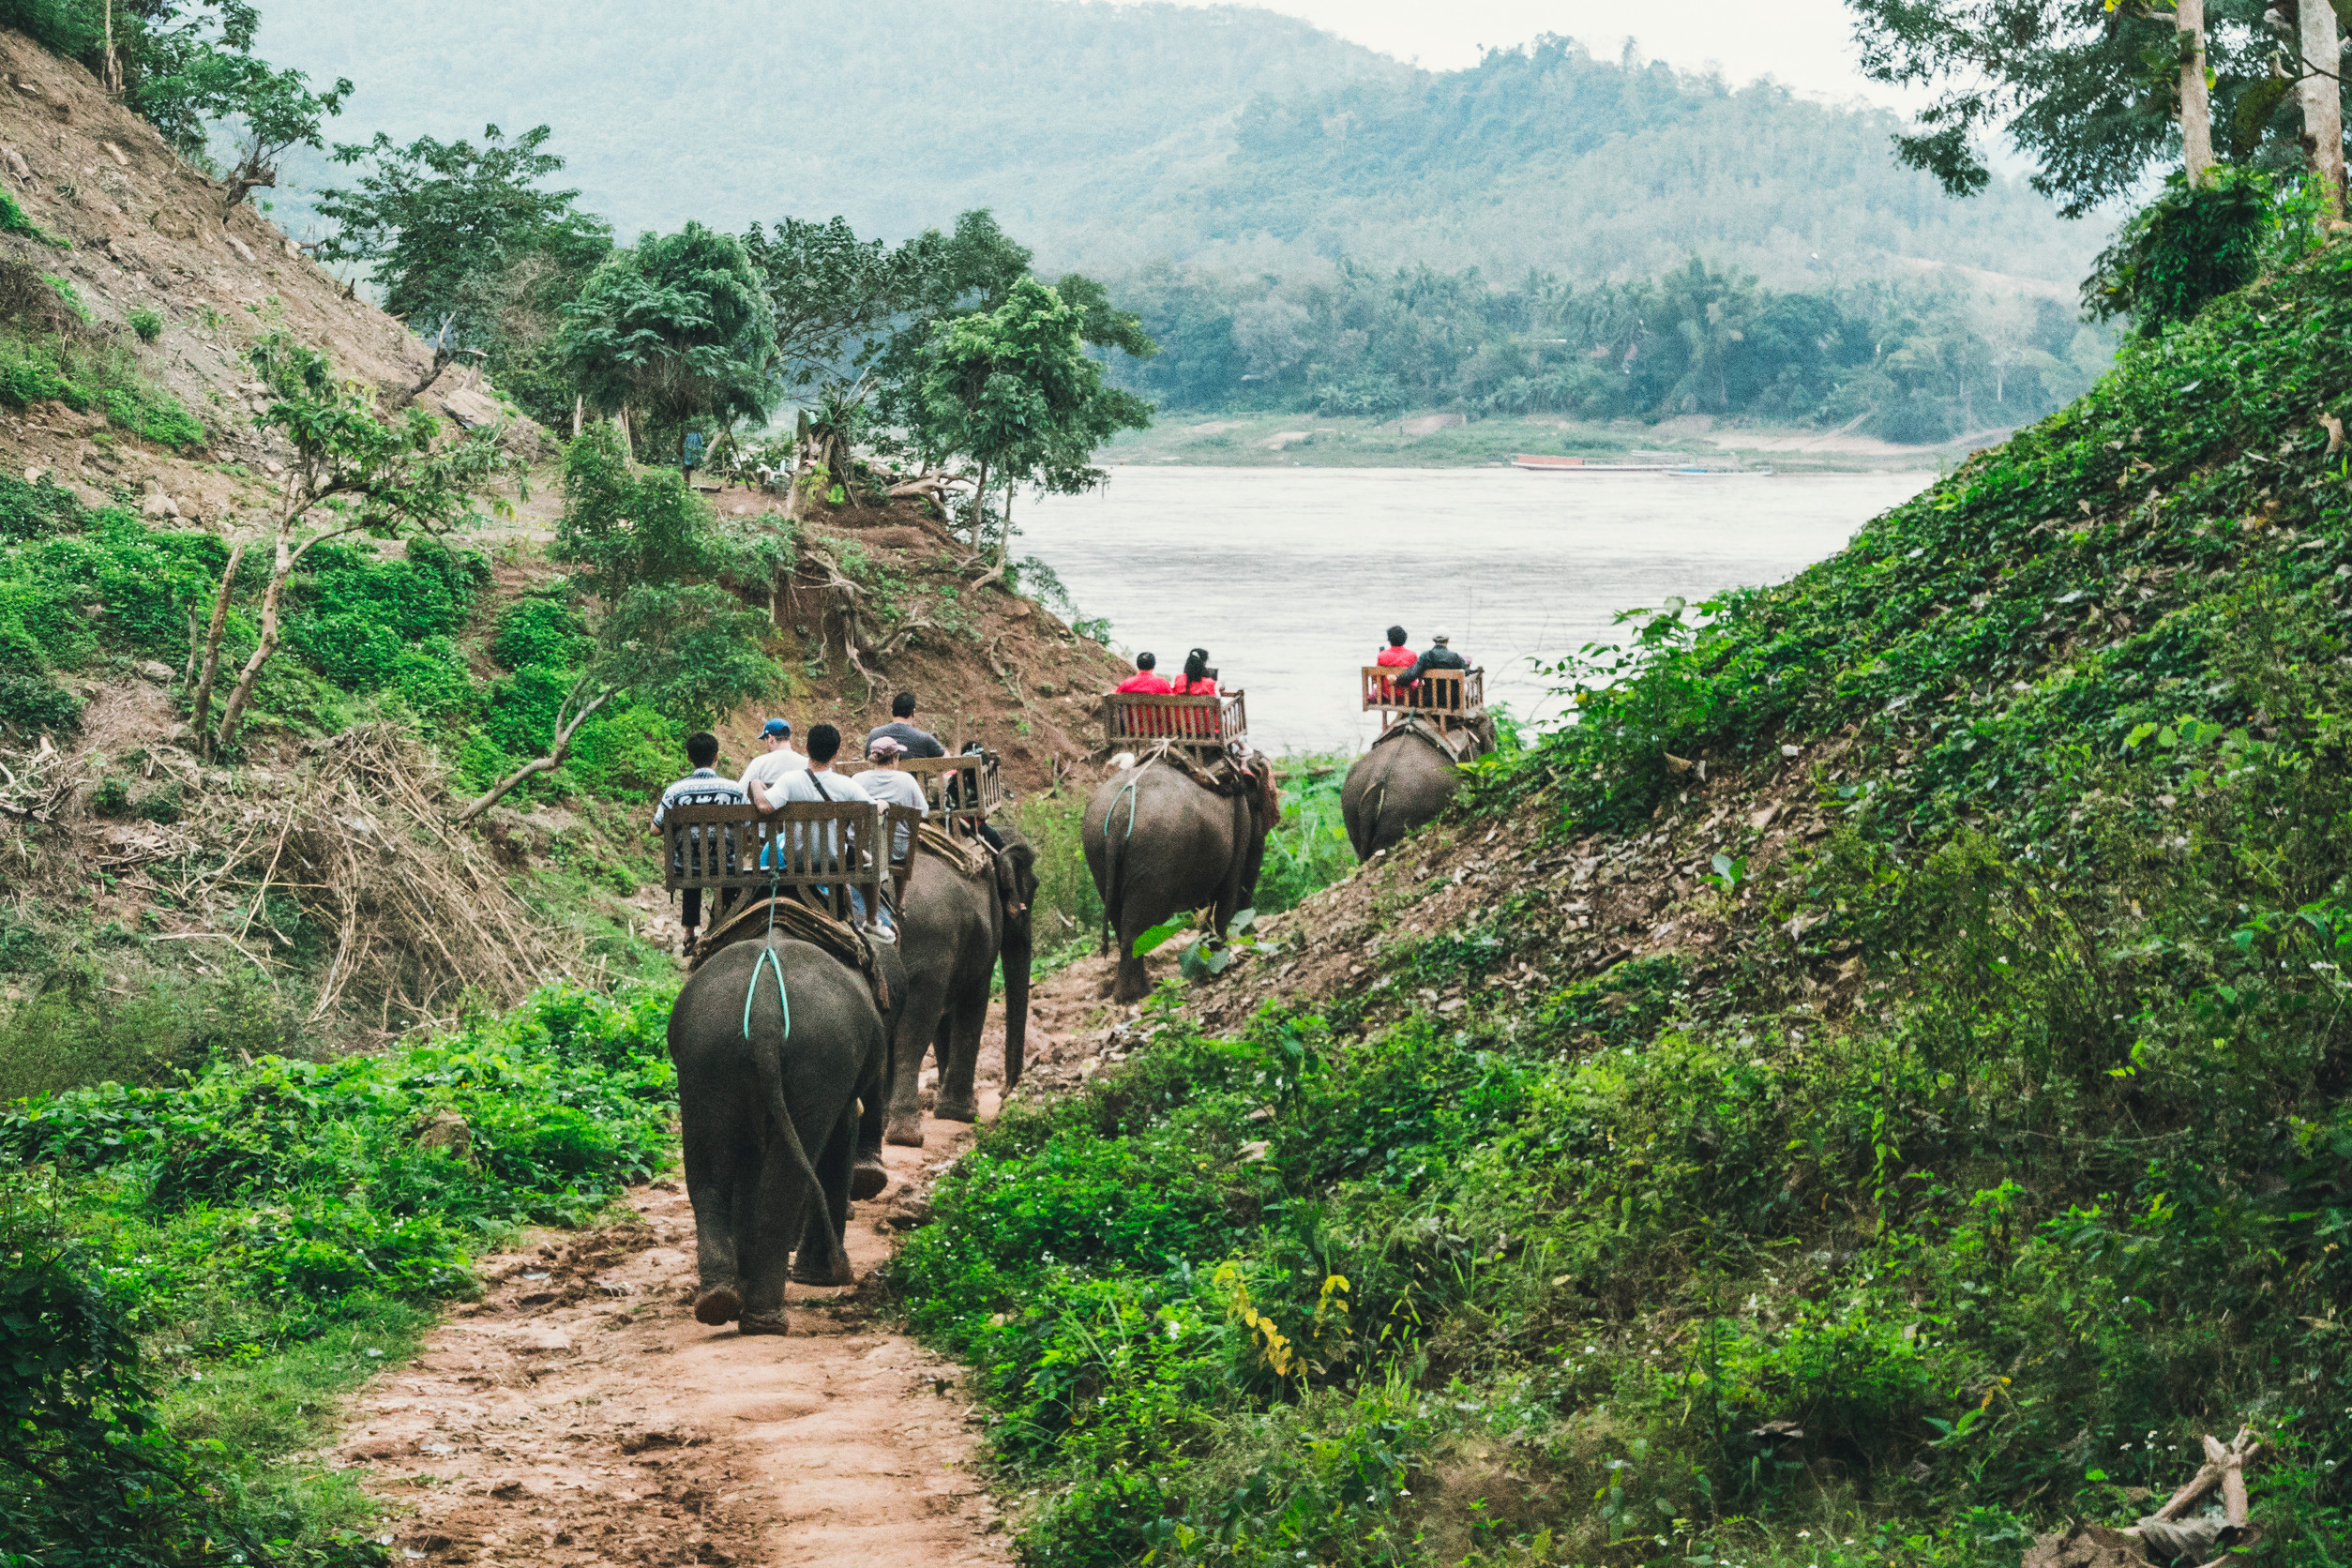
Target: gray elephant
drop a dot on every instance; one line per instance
(769, 1114)
(1407, 778)
(954, 931)
(1159, 842)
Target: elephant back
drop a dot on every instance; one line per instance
(785, 915)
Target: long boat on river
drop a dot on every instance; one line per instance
(1536, 463)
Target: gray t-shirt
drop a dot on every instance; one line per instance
(889, 786)
(919, 742)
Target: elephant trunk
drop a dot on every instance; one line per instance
(1017, 957)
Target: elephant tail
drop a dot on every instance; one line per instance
(771, 1063)
(1114, 864)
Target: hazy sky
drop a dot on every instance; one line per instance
(1807, 44)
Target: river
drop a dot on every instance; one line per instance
(1290, 577)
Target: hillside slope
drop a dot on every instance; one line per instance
(1871, 1091)
(144, 231)
(308, 893)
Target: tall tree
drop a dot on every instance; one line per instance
(455, 233)
(2318, 73)
(647, 551)
(2095, 92)
(1013, 391)
(354, 471)
(678, 329)
(272, 110)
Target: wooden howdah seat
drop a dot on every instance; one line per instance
(1446, 698)
(792, 848)
(1136, 718)
(964, 790)
(819, 851)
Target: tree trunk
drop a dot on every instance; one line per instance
(579, 403)
(281, 567)
(2323, 102)
(2197, 110)
(548, 763)
(629, 443)
(212, 648)
(287, 557)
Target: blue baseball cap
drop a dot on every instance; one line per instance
(778, 727)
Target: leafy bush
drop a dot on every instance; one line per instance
(257, 1211)
(2190, 245)
(147, 324)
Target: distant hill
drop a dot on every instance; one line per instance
(1113, 135)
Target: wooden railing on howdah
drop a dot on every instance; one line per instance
(818, 850)
(963, 789)
(1145, 718)
(1442, 696)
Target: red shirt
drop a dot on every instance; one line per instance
(1150, 681)
(1400, 657)
(1201, 723)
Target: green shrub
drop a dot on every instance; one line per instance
(15, 220)
(2190, 245)
(33, 705)
(86, 378)
(66, 292)
(147, 324)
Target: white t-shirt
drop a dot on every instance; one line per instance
(807, 784)
(770, 766)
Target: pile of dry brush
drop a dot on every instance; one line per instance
(415, 911)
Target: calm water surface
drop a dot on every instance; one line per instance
(1289, 578)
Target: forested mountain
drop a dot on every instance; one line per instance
(1109, 136)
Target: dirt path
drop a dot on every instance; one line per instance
(578, 1413)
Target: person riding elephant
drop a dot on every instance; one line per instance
(1158, 842)
(1406, 779)
(776, 1042)
(954, 931)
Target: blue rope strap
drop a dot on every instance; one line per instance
(767, 959)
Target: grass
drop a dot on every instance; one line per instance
(86, 378)
(255, 1243)
(1997, 1143)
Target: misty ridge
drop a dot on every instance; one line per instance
(1300, 221)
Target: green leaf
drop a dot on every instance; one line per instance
(1159, 934)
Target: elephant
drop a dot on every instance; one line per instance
(1406, 779)
(1159, 842)
(756, 1098)
(952, 931)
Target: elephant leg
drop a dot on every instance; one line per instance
(713, 1186)
(959, 1060)
(918, 1026)
(811, 1263)
(869, 1176)
(1133, 983)
(763, 1232)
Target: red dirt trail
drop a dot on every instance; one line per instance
(579, 1414)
